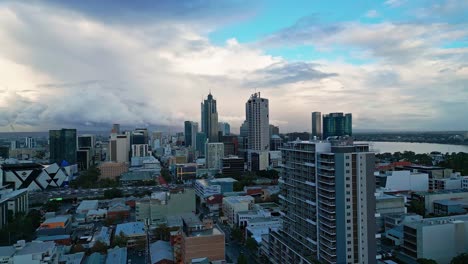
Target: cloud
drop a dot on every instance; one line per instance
(394, 3)
(372, 14)
(63, 66)
(282, 73)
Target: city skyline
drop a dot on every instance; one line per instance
(87, 65)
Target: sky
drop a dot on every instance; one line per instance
(394, 64)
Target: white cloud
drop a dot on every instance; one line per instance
(394, 3)
(65, 69)
(372, 14)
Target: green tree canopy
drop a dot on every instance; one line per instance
(426, 261)
(460, 259)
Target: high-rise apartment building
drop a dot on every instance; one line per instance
(328, 204)
(119, 148)
(30, 142)
(214, 155)
(62, 145)
(190, 133)
(200, 143)
(316, 125)
(258, 120)
(337, 125)
(209, 118)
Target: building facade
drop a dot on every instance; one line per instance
(214, 155)
(316, 125)
(62, 145)
(337, 125)
(258, 121)
(328, 204)
(209, 118)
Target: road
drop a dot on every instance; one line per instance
(68, 193)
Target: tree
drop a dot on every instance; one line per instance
(166, 175)
(251, 244)
(51, 206)
(113, 193)
(100, 247)
(460, 259)
(120, 240)
(77, 248)
(242, 259)
(425, 261)
(236, 234)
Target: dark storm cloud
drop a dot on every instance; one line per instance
(286, 73)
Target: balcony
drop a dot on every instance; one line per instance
(330, 239)
(328, 168)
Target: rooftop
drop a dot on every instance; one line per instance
(36, 247)
(209, 232)
(441, 192)
(76, 258)
(191, 219)
(88, 205)
(438, 221)
(239, 199)
(138, 176)
(161, 250)
(7, 251)
(223, 180)
(57, 219)
(131, 229)
(117, 256)
(52, 238)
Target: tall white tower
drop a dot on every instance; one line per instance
(258, 120)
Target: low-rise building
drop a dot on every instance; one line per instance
(12, 202)
(234, 204)
(203, 244)
(59, 225)
(205, 188)
(386, 204)
(35, 252)
(96, 215)
(6, 254)
(403, 180)
(161, 205)
(161, 252)
(134, 231)
(232, 166)
(117, 255)
(112, 170)
(440, 238)
(257, 227)
(186, 171)
(87, 205)
(118, 211)
(428, 198)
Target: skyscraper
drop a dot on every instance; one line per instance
(258, 120)
(274, 130)
(209, 115)
(224, 128)
(62, 145)
(327, 197)
(316, 125)
(119, 148)
(200, 143)
(190, 133)
(337, 124)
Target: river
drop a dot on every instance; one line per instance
(418, 148)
